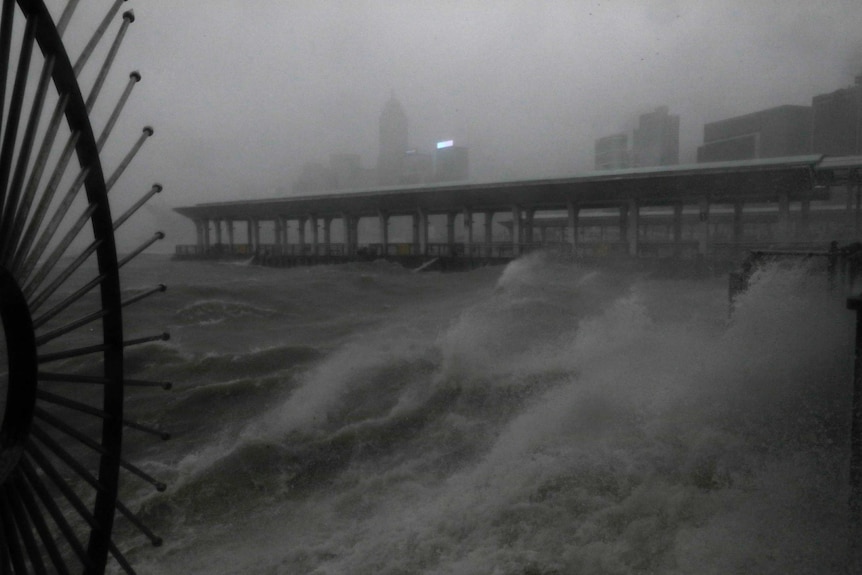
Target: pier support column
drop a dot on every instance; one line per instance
(450, 233)
(624, 224)
(199, 229)
(279, 236)
(703, 227)
(738, 228)
(218, 232)
(804, 219)
(784, 216)
(489, 234)
(516, 231)
(572, 228)
(314, 234)
(327, 235)
(528, 226)
(230, 241)
(301, 240)
(633, 226)
(677, 230)
(468, 232)
(207, 235)
(422, 217)
(383, 220)
(349, 237)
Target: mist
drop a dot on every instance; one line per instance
(242, 93)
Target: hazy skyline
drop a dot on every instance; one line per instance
(242, 93)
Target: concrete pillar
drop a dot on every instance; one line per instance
(279, 236)
(383, 220)
(528, 225)
(314, 234)
(450, 233)
(415, 248)
(350, 235)
(624, 223)
(327, 234)
(632, 225)
(738, 228)
(572, 229)
(468, 232)
(230, 241)
(804, 219)
(489, 234)
(423, 232)
(199, 229)
(703, 227)
(218, 232)
(249, 235)
(301, 231)
(784, 216)
(206, 235)
(516, 230)
(677, 229)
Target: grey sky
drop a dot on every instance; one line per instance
(242, 92)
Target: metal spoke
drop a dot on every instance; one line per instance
(146, 133)
(5, 49)
(122, 219)
(134, 78)
(99, 380)
(22, 491)
(133, 519)
(65, 489)
(25, 528)
(67, 458)
(49, 357)
(128, 18)
(61, 278)
(97, 36)
(10, 532)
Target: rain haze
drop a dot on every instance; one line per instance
(241, 94)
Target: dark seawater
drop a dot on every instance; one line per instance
(535, 419)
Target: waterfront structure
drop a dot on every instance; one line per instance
(776, 132)
(683, 211)
(612, 152)
(656, 139)
(837, 121)
(393, 143)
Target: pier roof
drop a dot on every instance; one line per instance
(718, 182)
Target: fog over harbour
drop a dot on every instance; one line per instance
(242, 93)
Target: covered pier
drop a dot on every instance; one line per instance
(699, 210)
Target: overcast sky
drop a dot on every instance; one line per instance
(242, 92)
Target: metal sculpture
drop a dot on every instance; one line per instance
(61, 434)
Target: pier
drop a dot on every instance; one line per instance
(713, 210)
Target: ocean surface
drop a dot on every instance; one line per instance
(534, 419)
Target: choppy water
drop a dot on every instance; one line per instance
(534, 419)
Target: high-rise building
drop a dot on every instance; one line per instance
(837, 121)
(451, 162)
(656, 139)
(771, 133)
(393, 143)
(418, 167)
(612, 152)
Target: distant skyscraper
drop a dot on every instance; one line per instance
(771, 133)
(612, 152)
(393, 143)
(451, 162)
(656, 139)
(837, 118)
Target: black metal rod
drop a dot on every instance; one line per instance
(52, 260)
(134, 520)
(135, 470)
(16, 554)
(855, 304)
(49, 231)
(71, 404)
(50, 504)
(134, 78)
(128, 18)
(82, 321)
(25, 527)
(6, 27)
(146, 133)
(66, 16)
(21, 256)
(61, 278)
(97, 36)
(77, 352)
(122, 219)
(57, 479)
(163, 435)
(36, 176)
(137, 251)
(66, 458)
(22, 492)
(61, 425)
(10, 211)
(120, 558)
(99, 380)
(13, 118)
